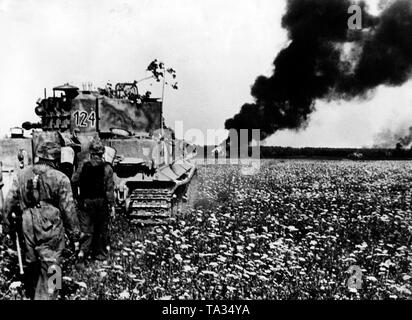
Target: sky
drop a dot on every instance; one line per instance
(218, 48)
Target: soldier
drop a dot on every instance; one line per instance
(43, 197)
(96, 202)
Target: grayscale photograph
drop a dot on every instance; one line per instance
(223, 151)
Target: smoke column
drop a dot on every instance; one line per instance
(326, 60)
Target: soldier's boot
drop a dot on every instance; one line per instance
(86, 240)
(45, 288)
(31, 274)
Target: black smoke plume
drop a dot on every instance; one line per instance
(324, 59)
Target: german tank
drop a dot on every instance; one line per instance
(152, 169)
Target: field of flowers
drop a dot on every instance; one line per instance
(292, 230)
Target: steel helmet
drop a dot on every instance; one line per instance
(96, 146)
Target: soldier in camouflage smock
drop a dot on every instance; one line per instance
(43, 196)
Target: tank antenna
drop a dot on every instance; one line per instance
(146, 78)
(163, 94)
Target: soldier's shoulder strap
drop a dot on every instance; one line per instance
(32, 179)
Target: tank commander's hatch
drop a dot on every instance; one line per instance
(69, 91)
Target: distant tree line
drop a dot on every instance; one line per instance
(274, 152)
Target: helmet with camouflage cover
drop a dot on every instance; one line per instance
(49, 150)
(96, 146)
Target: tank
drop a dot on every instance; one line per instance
(154, 177)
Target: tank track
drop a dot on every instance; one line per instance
(150, 206)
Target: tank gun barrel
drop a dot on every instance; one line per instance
(30, 125)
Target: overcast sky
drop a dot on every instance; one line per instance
(217, 47)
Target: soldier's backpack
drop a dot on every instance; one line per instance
(33, 191)
(43, 221)
(92, 181)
